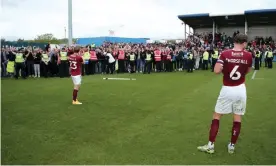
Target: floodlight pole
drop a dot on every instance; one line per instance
(70, 24)
(64, 33)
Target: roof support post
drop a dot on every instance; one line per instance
(214, 24)
(189, 30)
(184, 30)
(245, 27)
(216, 28)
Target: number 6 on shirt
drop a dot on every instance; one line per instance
(235, 71)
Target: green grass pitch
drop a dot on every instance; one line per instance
(158, 119)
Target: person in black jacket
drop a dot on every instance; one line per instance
(102, 62)
(143, 61)
(53, 64)
(37, 61)
(3, 63)
(47, 47)
(29, 63)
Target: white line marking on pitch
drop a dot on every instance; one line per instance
(254, 74)
(124, 79)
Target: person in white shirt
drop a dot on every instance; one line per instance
(111, 63)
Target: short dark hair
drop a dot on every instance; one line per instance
(77, 49)
(240, 38)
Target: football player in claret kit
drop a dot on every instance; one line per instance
(75, 70)
(234, 64)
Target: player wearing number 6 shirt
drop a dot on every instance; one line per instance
(75, 70)
(234, 64)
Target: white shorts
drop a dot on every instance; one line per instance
(232, 99)
(76, 80)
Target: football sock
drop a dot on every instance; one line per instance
(213, 130)
(75, 94)
(235, 132)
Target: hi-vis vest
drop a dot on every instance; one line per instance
(10, 67)
(93, 56)
(169, 57)
(205, 55)
(45, 58)
(215, 56)
(86, 57)
(63, 56)
(270, 54)
(157, 55)
(191, 56)
(19, 58)
(131, 57)
(148, 57)
(258, 55)
(121, 55)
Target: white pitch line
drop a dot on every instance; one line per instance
(124, 79)
(254, 74)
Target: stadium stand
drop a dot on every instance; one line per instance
(261, 23)
(217, 30)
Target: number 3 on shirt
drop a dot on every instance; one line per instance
(73, 65)
(235, 71)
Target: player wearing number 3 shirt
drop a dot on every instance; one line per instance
(234, 64)
(75, 70)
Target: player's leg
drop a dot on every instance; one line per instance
(210, 147)
(223, 106)
(239, 108)
(235, 133)
(77, 84)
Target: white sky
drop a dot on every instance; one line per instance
(128, 18)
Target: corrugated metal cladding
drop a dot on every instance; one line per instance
(100, 40)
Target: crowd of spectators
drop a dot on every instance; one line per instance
(196, 44)
(222, 40)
